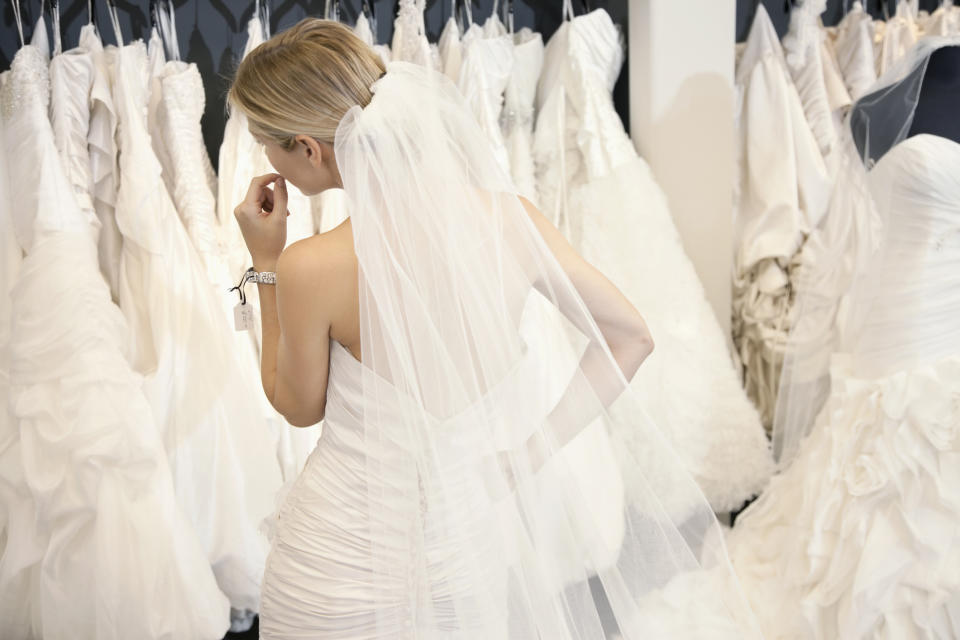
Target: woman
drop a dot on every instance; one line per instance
(438, 502)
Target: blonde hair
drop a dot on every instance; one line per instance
(303, 80)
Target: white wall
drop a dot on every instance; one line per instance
(681, 118)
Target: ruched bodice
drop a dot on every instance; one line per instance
(912, 304)
(360, 496)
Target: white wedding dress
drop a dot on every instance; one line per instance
(782, 193)
(108, 552)
(854, 48)
(484, 73)
(362, 29)
(899, 36)
(860, 536)
(604, 198)
(219, 447)
(517, 116)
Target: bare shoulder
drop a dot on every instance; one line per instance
(318, 260)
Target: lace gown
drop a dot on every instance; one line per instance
(108, 552)
(589, 177)
(214, 434)
(860, 536)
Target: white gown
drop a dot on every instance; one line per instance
(516, 119)
(860, 536)
(241, 159)
(102, 147)
(451, 50)
(362, 29)
(16, 503)
(854, 48)
(815, 75)
(945, 21)
(484, 73)
(782, 193)
(215, 437)
(900, 34)
(117, 557)
(410, 42)
(688, 385)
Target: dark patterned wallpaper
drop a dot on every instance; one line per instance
(212, 33)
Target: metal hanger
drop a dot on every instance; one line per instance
(18, 18)
(367, 10)
(114, 21)
(54, 7)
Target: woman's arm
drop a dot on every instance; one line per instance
(619, 322)
(622, 328)
(294, 360)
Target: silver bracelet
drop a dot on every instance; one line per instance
(260, 277)
(263, 277)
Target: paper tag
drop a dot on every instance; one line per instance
(243, 317)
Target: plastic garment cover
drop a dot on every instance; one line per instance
(837, 257)
(463, 418)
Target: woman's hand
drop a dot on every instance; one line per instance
(263, 219)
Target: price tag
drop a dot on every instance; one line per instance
(243, 317)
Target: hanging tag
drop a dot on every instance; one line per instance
(243, 317)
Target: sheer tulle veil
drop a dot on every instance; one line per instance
(468, 398)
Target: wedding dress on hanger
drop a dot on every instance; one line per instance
(449, 46)
(899, 36)
(854, 48)
(945, 21)
(16, 504)
(485, 70)
(216, 440)
(858, 536)
(363, 30)
(606, 201)
(782, 192)
(815, 75)
(102, 147)
(410, 42)
(117, 557)
(517, 116)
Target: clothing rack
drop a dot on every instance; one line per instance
(212, 33)
(779, 11)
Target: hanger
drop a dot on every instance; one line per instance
(114, 21)
(54, 7)
(468, 10)
(168, 28)
(263, 9)
(367, 10)
(336, 10)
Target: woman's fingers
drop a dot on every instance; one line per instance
(279, 196)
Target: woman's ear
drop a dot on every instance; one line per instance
(312, 148)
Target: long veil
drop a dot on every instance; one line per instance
(480, 362)
(839, 258)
